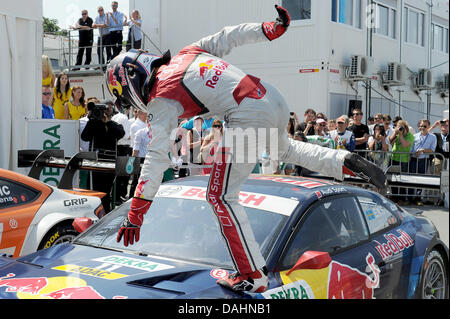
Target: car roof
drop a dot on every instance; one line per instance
(278, 185)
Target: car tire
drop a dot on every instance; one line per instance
(57, 235)
(434, 278)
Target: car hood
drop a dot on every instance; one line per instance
(69, 271)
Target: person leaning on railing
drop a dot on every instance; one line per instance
(402, 141)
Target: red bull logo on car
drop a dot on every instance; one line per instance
(50, 288)
(335, 281)
(394, 244)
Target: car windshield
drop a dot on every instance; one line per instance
(183, 229)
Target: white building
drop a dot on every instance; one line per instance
(308, 64)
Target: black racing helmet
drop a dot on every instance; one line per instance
(130, 76)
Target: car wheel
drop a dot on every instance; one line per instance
(434, 283)
(59, 234)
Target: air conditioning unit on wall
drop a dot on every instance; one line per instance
(423, 80)
(397, 74)
(442, 87)
(360, 68)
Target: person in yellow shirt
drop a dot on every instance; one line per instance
(76, 108)
(48, 77)
(61, 94)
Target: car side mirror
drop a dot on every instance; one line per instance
(311, 260)
(81, 224)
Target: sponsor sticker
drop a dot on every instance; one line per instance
(88, 271)
(274, 204)
(135, 263)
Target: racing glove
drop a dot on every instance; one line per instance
(131, 225)
(275, 29)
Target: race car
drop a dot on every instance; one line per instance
(321, 239)
(35, 215)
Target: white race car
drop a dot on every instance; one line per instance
(35, 215)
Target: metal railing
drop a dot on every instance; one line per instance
(414, 178)
(66, 53)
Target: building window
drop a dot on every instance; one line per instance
(440, 38)
(346, 12)
(298, 9)
(385, 18)
(414, 26)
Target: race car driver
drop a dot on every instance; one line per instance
(197, 81)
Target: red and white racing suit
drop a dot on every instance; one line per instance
(197, 81)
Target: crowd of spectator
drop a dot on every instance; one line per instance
(387, 142)
(110, 33)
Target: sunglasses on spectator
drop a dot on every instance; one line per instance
(340, 122)
(357, 113)
(46, 93)
(423, 126)
(217, 126)
(84, 14)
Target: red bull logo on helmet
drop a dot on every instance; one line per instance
(113, 84)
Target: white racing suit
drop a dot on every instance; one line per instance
(198, 82)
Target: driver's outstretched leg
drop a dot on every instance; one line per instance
(223, 194)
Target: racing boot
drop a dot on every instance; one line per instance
(366, 170)
(256, 281)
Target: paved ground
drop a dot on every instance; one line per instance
(439, 216)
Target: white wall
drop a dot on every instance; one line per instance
(20, 66)
(318, 43)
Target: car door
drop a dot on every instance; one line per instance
(340, 261)
(388, 241)
(18, 205)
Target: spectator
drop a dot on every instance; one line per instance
(424, 142)
(139, 123)
(103, 134)
(210, 144)
(379, 143)
(195, 140)
(181, 147)
(86, 38)
(331, 125)
(387, 125)
(47, 110)
(322, 116)
(123, 149)
(377, 119)
(61, 94)
(104, 36)
(75, 109)
(370, 121)
(48, 77)
(115, 23)
(307, 127)
(360, 130)
(293, 121)
(398, 118)
(319, 128)
(402, 141)
(298, 170)
(134, 31)
(442, 138)
(343, 138)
